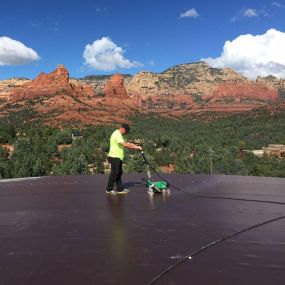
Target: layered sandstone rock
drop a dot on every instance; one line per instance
(49, 84)
(115, 88)
(271, 81)
(58, 78)
(98, 82)
(193, 79)
(242, 91)
(198, 81)
(274, 83)
(181, 86)
(7, 86)
(179, 91)
(82, 90)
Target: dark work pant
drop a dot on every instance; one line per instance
(116, 174)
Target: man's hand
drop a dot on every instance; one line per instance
(131, 145)
(139, 147)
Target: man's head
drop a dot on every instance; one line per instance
(126, 128)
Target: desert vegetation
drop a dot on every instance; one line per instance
(187, 145)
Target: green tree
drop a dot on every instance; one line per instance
(64, 137)
(4, 164)
(184, 165)
(23, 159)
(7, 134)
(134, 163)
(73, 163)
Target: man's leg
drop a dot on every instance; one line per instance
(120, 188)
(119, 182)
(115, 170)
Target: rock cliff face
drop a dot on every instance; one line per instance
(7, 86)
(189, 85)
(98, 82)
(182, 90)
(199, 80)
(57, 100)
(50, 84)
(194, 79)
(242, 91)
(115, 87)
(273, 83)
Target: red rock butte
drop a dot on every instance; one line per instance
(181, 91)
(115, 87)
(48, 84)
(240, 91)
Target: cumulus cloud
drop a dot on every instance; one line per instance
(250, 13)
(192, 13)
(254, 55)
(105, 55)
(13, 52)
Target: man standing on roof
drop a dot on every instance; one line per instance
(116, 157)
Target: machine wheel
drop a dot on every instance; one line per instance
(150, 191)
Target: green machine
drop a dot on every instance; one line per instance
(154, 187)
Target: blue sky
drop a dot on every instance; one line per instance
(132, 35)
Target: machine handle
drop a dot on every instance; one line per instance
(144, 158)
(146, 165)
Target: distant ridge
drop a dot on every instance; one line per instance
(191, 89)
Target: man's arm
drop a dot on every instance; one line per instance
(131, 145)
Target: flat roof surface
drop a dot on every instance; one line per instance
(66, 230)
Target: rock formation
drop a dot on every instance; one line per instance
(7, 86)
(242, 91)
(182, 90)
(193, 79)
(50, 84)
(115, 88)
(274, 83)
(98, 82)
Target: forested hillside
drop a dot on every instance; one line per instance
(188, 146)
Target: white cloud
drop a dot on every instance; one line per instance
(250, 13)
(253, 56)
(13, 52)
(192, 13)
(277, 4)
(105, 55)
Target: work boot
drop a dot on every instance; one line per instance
(112, 192)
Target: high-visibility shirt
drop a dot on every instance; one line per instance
(116, 148)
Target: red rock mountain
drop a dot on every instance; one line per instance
(240, 91)
(57, 100)
(7, 86)
(182, 90)
(50, 84)
(116, 88)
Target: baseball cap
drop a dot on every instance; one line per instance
(126, 127)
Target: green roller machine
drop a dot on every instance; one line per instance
(154, 187)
